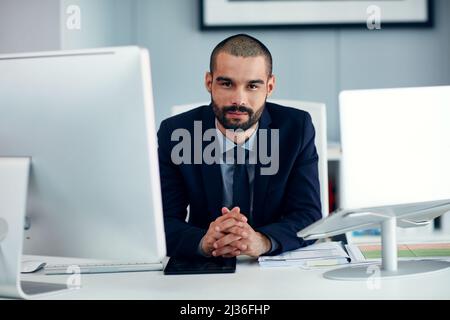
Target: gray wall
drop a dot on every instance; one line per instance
(29, 25)
(40, 25)
(309, 64)
(103, 23)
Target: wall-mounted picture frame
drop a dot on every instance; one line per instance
(225, 14)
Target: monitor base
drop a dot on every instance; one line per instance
(405, 269)
(33, 288)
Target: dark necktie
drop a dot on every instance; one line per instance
(241, 184)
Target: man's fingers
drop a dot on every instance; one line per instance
(240, 231)
(229, 238)
(242, 244)
(225, 210)
(233, 254)
(236, 210)
(214, 236)
(222, 251)
(228, 223)
(233, 214)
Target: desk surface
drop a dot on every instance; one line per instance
(250, 282)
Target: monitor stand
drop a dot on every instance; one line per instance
(14, 173)
(390, 266)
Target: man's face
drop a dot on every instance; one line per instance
(239, 88)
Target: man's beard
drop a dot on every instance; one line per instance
(221, 113)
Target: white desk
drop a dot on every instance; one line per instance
(250, 282)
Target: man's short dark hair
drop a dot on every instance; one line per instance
(242, 45)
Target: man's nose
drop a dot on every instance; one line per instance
(239, 98)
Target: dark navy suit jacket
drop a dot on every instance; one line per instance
(283, 203)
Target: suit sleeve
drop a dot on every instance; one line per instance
(182, 239)
(301, 204)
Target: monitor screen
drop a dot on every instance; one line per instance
(86, 120)
(395, 146)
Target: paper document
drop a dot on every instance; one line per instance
(319, 254)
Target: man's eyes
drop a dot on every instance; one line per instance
(229, 84)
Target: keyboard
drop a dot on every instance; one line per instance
(109, 267)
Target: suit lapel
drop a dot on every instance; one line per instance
(261, 182)
(211, 174)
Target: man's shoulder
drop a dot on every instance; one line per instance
(185, 119)
(285, 115)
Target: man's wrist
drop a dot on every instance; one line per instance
(201, 250)
(266, 243)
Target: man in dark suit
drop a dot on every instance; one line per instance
(263, 186)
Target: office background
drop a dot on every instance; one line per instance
(310, 63)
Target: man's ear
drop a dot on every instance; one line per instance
(270, 85)
(208, 81)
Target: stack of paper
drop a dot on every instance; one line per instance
(319, 254)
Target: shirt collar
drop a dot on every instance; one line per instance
(226, 144)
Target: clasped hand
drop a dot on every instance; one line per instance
(230, 235)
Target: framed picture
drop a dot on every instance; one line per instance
(215, 14)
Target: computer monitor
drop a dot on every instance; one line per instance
(395, 146)
(86, 121)
(394, 166)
